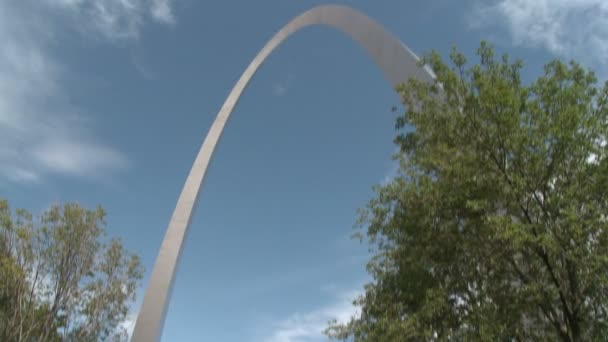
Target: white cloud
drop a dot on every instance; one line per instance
(161, 11)
(19, 175)
(41, 132)
(568, 28)
(309, 326)
(113, 19)
(77, 158)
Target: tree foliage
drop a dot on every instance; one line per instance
(60, 279)
(495, 228)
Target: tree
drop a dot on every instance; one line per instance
(61, 279)
(495, 228)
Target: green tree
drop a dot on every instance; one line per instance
(61, 279)
(495, 228)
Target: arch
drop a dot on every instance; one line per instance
(395, 60)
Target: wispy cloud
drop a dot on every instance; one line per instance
(41, 131)
(280, 87)
(568, 28)
(141, 66)
(309, 326)
(113, 19)
(161, 10)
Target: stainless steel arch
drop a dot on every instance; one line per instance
(395, 60)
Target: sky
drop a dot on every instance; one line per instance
(108, 101)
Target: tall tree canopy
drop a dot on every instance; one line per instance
(60, 279)
(495, 228)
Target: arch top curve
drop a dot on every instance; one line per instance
(398, 64)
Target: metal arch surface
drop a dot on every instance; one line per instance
(395, 60)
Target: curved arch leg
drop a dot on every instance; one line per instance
(395, 60)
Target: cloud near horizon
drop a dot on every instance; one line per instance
(309, 326)
(41, 132)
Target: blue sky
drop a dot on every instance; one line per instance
(107, 102)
